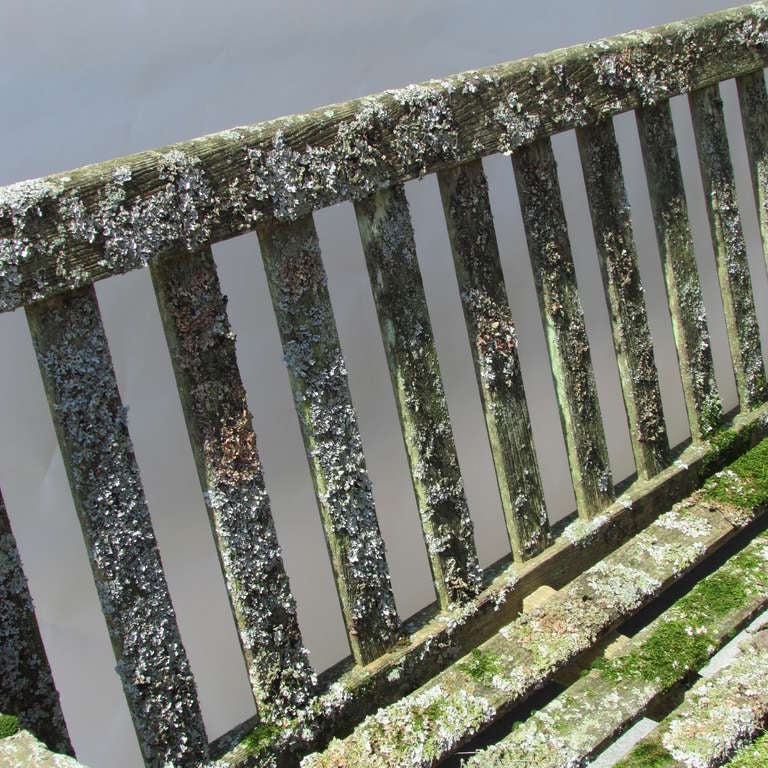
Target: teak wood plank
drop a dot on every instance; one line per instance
(617, 255)
(73, 228)
(728, 244)
(681, 277)
(92, 431)
(202, 347)
(493, 339)
(312, 352)
(555, 277)
(390, 253)
(27, 689)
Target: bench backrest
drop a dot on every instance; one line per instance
(165, 208)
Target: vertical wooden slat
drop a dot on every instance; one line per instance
(202, 347)
(90, 421)
(492, 335)
(555, 277)
(387, 236)
(681, 277)
(753, 101)
(27, 689)
(297, 283)
(612, 226)
(728, 242)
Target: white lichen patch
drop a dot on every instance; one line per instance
(23, 750)
(415, 731)
(620, 585)
(721, 714)
(686, 522)
(23, 205)
(518, 125)
(581, 532)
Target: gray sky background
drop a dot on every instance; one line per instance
(87, 81)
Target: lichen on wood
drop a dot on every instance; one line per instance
(390, 253)
(74, 228)
(753, 101)
(617, 255)
(729, 246)
(27, 689)
(681, 278)
(202, 347)
(298, 286)
(555, 277)
(91, 426)
(493, 339)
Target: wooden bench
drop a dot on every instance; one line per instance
(165, 208)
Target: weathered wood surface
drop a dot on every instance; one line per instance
(716, 718)
(70, 229)
(27, 689)
(617, 255)
(23, 750)
(681, 277)
(298, 286)
(598, 707)
(390, 253)
(433, 644)
(493, 339)
(555, 277)
(728, 244)
(423, 728)
(91, 427)
(202, 347)
(753, 101)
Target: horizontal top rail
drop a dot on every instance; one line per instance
(70, 229)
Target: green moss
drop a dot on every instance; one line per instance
(647, 754)
(723, 439)
(672, 649)
(718, 594)
(260, 738)
(682, 642)
(744, 483)
(754, 755)
(481, 666)
(9, 724)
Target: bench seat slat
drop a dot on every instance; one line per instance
(621, 687)
(27, 689)
(312, 352)
(426, 726)
(728, 243)
(92, 430)
(202, 347)
(563, 319)
(386, 232)
(493, 339)
(681, 277)
(617, 255)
